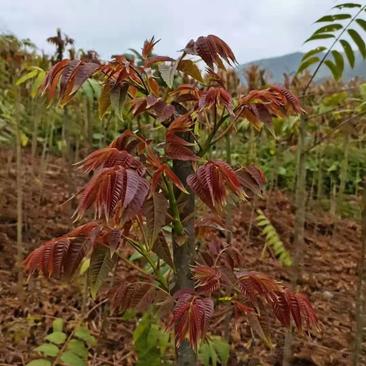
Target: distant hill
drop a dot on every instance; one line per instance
(277, 66)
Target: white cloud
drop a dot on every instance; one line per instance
(254, 29)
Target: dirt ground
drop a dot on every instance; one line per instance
(330, 264)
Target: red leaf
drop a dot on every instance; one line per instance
(148, 47)
(191, 315)
(262, 105)
(211, 49)
(155, 59)
(207, 278)
(53, 77)
(112, 188)
(60, 257)
(110, 157)
(251, 179)
(301, 310)
(216, 96)
(133, 293)
(130, 142)
(73, 73)
(212, 181)
(177, 148)
(256, 285)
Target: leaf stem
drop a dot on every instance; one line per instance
(330, 49)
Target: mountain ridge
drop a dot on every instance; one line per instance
(276, 66)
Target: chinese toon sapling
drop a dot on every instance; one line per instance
(143, 185)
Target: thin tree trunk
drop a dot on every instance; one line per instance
(19, 192)
(184, 251)
(360, 296)
(298, 245)
(343, 173)
(229, 209)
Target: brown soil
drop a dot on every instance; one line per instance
(330, 261)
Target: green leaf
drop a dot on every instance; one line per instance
(78, 347)
(58, 325)
(104, 100)
(191, 69)
(204, 354)
(332, 18)
(333, 68)
(37, 83)
(349, 52)
(71, 359)
(84, 334)
(118, 97)
(347, 5)
(167, 73)
(30, 75)
(164, 341)
(359, 42)
(101, 263)
(304, 65)
(313, 52)
(23, 139)
(48, 349)
(222, 349)
(207, 354)
(339, 62)
(361, 23)
(56, 337)
(39, 362)
(329, 28)
(320, 36)
(85, 264)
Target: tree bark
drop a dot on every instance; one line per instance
(300, 199)
(360, 296)
(184, 251)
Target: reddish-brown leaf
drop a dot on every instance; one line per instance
(60, 257)
(113, 188)
(301, 310)
(130, 142)
(211, 49)
(155, 212)
(216, 96)
(207, 278)
(155, 59)
(251, 179)
(212, 181)
(109, 157)
(134, 293)
(263, 105)
(190, 318)
(254, 285)
(177, 148)
(162, 250)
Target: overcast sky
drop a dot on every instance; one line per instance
(253, 28)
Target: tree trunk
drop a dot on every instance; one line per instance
(343, 173)
(184, 251)
(19, 194)
(300, 198)
(360, 296)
